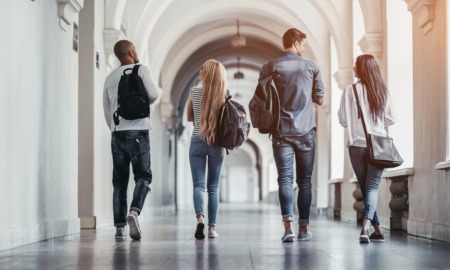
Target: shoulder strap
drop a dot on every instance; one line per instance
(273, 64)
(135, 69)
(360, 114)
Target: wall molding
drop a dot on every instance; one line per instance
(423, 10)
(429, 229)
(67, 10)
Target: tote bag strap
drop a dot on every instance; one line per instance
(360, 114)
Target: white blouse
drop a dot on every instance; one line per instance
(348, 116)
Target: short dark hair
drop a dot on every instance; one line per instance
(121, 48)
(291, 36)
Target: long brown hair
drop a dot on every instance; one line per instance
(368, 72)
(214, 90)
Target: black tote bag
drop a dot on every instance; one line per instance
(382, 152)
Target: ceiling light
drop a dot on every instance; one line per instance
(238, 40)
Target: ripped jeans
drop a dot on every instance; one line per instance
(130, 146)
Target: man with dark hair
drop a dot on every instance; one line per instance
(130, 143)
(299, 86)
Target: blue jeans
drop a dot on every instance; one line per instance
(285, 148)
(130, 146)
(200, 155)
(369, 178)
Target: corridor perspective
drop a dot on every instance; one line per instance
(56, 165)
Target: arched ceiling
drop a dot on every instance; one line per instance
(172, 33)
(174, 37)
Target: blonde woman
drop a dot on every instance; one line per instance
(203, 106)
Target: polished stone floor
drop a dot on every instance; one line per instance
(249, 239)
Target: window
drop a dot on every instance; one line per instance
(400, 76)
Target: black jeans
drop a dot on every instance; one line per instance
(130, 146)
(285, 148)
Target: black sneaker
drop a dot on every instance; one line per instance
(364, 237)
(199, 234)
(376, 237)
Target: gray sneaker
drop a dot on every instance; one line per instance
(120, 233)
(288, 236)
(135, 230)
(303, 236)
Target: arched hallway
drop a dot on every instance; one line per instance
(55, 151)
(249, 239)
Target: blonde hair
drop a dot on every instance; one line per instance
(214, 90)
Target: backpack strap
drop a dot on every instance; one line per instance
(274, 75)
(228, 95)
(135, 69)
(273, 65)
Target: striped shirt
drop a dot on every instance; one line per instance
(196, 94)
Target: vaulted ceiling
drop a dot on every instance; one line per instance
(174, 37)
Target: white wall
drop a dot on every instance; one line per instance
(39, 151)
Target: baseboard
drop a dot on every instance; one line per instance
(430, 230)
(88, 222)
(348, 215)
(23, 235)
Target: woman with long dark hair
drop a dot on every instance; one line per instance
(203, 106)
(375, 104)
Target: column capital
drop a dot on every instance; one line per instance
(110, 37)
(343, 77)
(372, 43)
(423, 10)
(66, 10)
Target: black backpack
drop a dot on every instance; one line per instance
(232, 125)
(132, 99)
(264, 107)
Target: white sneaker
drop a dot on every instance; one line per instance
(135, 230)
(213, 234)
